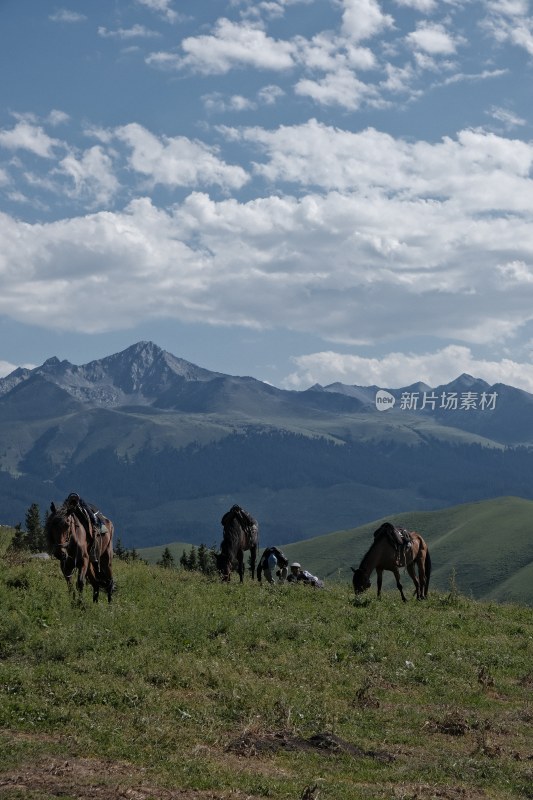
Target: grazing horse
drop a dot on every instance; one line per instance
(239, 535)
(387, 552)
(79, 546)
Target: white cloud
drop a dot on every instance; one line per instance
(230, 45)
(433, 39)
(57, 117)
(92, 176)
(507, 117)
(396, 370)
(424, 6)
(177, 161)
(161, 7)
(135, 32)
(217, 103)
(478, 170)
(510, 21)
(66, 15)
(362, 19)
(6, 368)
(25, 136)
(516, 272)
(435, 234)
(341, 88)
(270, 94)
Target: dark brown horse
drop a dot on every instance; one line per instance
(390, 553)
(78, 545)
(239, 536)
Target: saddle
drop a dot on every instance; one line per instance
(400, 538)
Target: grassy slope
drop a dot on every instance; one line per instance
(485, 547)
(181, 680)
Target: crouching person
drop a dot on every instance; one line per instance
(273, 563)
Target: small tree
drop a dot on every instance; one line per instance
(206, 560)
(119, 550)
(35, 540)
(19, 541)
(192, 561)
(167, 559)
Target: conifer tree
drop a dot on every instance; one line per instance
(119, 550)
(192, 561)
(167, 559)
(35, 540)
(20, 539)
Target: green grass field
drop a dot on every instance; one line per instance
(188, 688)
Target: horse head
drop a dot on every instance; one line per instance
(223, 562)
(360, 581)
(58, 530)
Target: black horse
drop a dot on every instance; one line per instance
(241, 533)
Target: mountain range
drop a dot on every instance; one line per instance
(165, 447)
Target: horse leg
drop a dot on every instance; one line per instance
(241, 566)
(253, 554)
(398, 584)
(110, 589)
(82, 572)
(417, 581)
(67, 571)
(379, 574)
(422, 578)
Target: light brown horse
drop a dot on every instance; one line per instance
(384, 553)
(239, 536)
(73, 540)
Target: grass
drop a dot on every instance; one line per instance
(218, 690)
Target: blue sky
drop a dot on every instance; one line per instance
(298, 190)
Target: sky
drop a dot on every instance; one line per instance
(304, 191)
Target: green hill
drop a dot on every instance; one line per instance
(485, 548)
(185, 688)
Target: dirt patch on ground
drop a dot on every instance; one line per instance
(92, 779)
(427, 792)
(250, 745)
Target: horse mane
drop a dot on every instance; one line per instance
(386, 529)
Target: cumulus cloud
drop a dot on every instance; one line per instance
(92, 176)
(395, 370)
(341, 88)
(177, 161)
(230, 45)
(27, 136)
(433, 39)
(362, 19)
